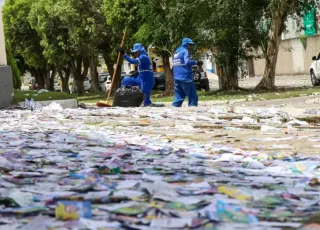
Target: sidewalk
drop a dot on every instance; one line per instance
(298, 102)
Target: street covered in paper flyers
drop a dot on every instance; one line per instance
(192, 168)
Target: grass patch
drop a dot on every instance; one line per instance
(93, 98)
(281, 93)
(20, 96)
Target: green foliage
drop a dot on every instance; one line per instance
(60, 32)
(23, 40)
(166, 23)
(55, 39)
(15, 71)
(22, 66)
(85, 24)
(303, 40)
(121, 14)
(162, 24)
(68, 28)
(231, 31)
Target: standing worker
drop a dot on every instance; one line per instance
(182, 70)
(146, 77)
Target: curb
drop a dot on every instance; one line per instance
(65, 104)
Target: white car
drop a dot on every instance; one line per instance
(107, 84)
(103, 77)
(315, 71)
(57, 86)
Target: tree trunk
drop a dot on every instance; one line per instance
(49, 79)
(251, 68)
(65, 84)
(40, 79)
(64, 76)
(79, 87)
(52, 78)
(228, 76)
(79, 76)
(109, 63)
(117, 83)
(279, 12)
(168, 74)
(95, 87)
(221, 76)
(46, 79)
(229, 64)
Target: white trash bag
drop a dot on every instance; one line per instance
(31, 105)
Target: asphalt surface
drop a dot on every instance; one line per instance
(281, 81)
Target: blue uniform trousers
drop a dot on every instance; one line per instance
(183, 89)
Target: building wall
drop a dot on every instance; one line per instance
(293, 59)
(292, 29)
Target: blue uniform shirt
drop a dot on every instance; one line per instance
(144, 66)
(146, 77)
(182, 65)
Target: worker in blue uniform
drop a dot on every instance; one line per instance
(133, 80)
(182, 70)
(145, 77)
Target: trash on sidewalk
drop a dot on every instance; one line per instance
(31, 105)
(53, 106)
(120, 168)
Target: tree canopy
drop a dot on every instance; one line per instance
(68, 36)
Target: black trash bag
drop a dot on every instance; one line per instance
(128, 97)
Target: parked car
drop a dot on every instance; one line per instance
(107, 84)
(108, 80)
(102, 80)
(315, 71)
(86, 83)
(57, 86)
(200, 78)
(159, 81)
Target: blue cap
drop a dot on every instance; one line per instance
(188, 41)
(137, 47)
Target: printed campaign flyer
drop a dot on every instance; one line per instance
(73, 210)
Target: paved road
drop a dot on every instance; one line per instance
(281, 81)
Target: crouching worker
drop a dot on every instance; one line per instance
(146, 77)
(133, 80)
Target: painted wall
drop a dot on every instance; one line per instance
(293, 58)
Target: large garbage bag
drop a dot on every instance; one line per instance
(128, 97)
